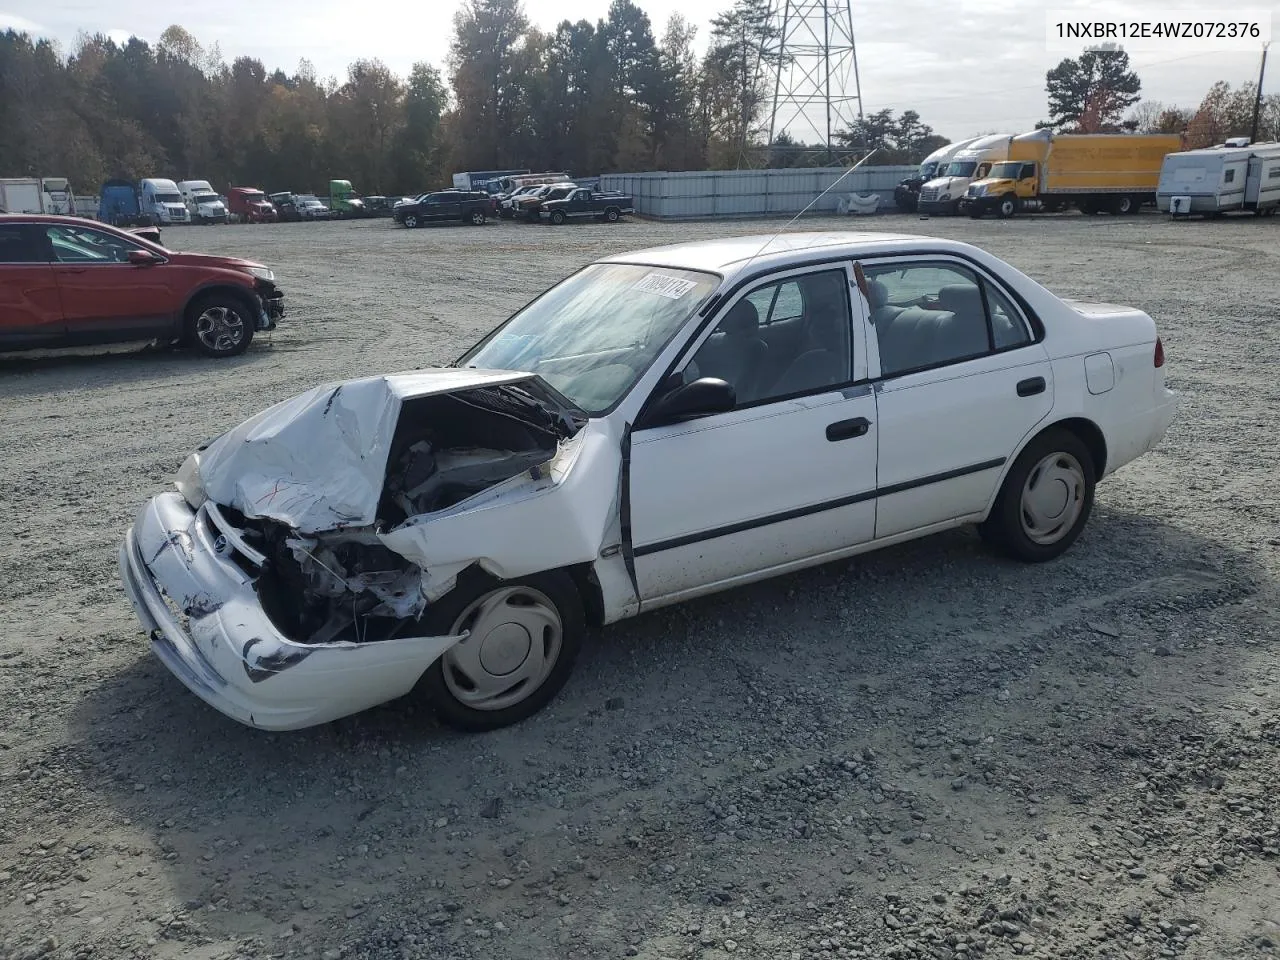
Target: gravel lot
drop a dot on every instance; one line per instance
(925, 752)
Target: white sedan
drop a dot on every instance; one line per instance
(659, 425)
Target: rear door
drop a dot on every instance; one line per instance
(962, 381)
(446, 206)
(30, 310)
(104, 297)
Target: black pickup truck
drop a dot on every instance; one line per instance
(583, 202)
(465, 205)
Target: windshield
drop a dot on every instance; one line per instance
(1006, 171)
(962, 168)
(927, 170)
(206, 198)
(595, 333)
(169, 197)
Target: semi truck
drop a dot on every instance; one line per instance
(203, 202)
(343, 200)
(906, 195)
(1096, 172)
(942, 194)
(120, 205)
(1216, 180)
(161, 200)
(36, 195)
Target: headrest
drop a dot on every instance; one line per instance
(959, 293)
(742, 318)
(877, 294)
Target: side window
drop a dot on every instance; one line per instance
(1028, 170)
(82, 245)
(982, 171)
(927, 315)
(1274, 174)
(1230, 176)
(16, 244)
(782, 339)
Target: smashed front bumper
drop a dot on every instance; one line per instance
(271, 299)
(187, 574)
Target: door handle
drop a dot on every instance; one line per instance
(1031, 386)
(845, 429)
(74, 269)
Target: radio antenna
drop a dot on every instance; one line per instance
(808, 207)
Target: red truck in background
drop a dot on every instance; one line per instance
(250, 205)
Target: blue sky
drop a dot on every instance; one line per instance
(968, 66)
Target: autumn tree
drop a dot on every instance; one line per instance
(1091, 93)
(486, 80)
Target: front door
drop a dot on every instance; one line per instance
(104, 297)
(789, 474)
(962, 383)
(30, 311)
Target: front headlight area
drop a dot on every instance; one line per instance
(262, 273)
(189, 482)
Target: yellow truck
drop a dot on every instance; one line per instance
(1097, 172)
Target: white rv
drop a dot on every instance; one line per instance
(161, 200)
(942, 194)
(203, 202)
(37, 195)
(1220, 179)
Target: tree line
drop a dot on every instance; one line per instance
(585, 98)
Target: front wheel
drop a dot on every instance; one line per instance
(220, 326)
(411, 220)
(558, 217)
(523, 637)
(1007, 207)
(1045, 500)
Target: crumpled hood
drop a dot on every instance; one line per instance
(318, 461)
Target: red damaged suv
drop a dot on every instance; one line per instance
(67, 281)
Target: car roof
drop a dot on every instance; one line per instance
(48, 218)
(730, 255)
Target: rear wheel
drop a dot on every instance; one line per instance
(220, 325)
(612, 214)
(1045, 500)
(476, 218)
(523, 638)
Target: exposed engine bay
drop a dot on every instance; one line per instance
(345, 584)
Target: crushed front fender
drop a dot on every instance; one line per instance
(209, 628)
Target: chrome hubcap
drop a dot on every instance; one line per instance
(514, 640)
(1052, 498)
(220, 328)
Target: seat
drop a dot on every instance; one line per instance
(882, 312)
(735, 352)
(824, 356)
(966, 334)
(916, 337)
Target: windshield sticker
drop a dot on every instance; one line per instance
(673, 288)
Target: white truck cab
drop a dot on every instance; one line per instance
(161, 200)
(942, 194)
(202, 201)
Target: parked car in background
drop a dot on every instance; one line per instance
(378, 206)
(250, 205)
(581, 204)
(354, 544)
(310, 207)
(203, 202)
(529, 207)
(506, 202)
(72, 282)
(162, 201)
(466, 206)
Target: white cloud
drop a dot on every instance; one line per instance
(11, 21)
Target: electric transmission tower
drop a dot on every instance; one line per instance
(812, 62)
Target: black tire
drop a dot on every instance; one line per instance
(1006, 527)
(476, 218)
(207, 325)
(1006, 206)
(411, 221)
(444, 617)
(612, 214)
(1088, 206)
(558, 217)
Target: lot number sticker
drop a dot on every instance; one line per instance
(673, 288)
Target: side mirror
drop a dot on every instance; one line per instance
(143, 258)
(704, 396)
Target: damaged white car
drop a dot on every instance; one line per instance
(659, 425)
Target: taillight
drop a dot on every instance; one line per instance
(1159, 353)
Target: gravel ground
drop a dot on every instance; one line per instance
(926, 752)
